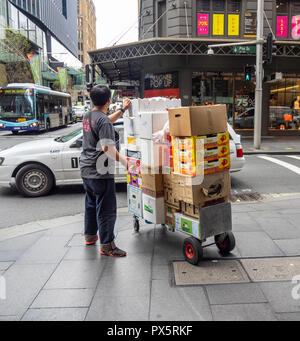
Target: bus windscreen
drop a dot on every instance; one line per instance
(16, 105)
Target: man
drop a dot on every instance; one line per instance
(96, 163)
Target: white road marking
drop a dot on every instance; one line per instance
(294, 157)
(287, 165)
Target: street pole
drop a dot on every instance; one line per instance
(259, 74)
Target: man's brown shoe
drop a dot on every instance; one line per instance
(112, 251)
(91, 240)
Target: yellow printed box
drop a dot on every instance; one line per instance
(217, 165)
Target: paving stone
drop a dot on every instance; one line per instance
(121, 308)
(272, 269)
(83, 253)
(256, 244)
(290, 247)
(209, 272)
(263, 215)
(279, 294)
(9, 318)
(212, 252)
(243, 222)
(280, 229)
(288, 317)
(161, 272)
(5, 265)
(63, 298)
(83, 274)
(68, 229)
(243, 312)
(294, 219)
(48, 250)
(235, 293)
(63, 314)
(78, 240)
(23, 283)
(10, 255)
(178, 304)
(136, 243)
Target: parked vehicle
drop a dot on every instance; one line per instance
(35, 167)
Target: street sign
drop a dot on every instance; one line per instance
(244, 50)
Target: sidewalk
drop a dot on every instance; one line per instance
(51, 275)
(286, 145)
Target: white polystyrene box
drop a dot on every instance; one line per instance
(132, 125)
(152, 122)
(135, 201)
(153, 209)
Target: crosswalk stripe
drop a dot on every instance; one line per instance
(294, 157)
(281, 163)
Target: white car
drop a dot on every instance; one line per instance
(34, 168)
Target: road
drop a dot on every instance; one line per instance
(276, 175)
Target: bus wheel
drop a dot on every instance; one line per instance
(34, 181)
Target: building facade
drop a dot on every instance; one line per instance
(86, 29)
(171, 58)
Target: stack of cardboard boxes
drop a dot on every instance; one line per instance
(171, 183)
(147, 159)
(201, 157)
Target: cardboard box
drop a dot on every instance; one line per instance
(170, 215)
(187, 225)
(134, 180)
(171, 196)
(152, 123)
(188, 189)
(190, 210)
(153, 182)
(198, 121)
(134, 166)
(153, 194)
(135, 201)
(168, 180)
(153, 209)
(217, 165)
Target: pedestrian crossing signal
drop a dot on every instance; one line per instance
(248, 73)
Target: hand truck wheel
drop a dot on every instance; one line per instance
(192, 250)
(225, 242)
(136, 225)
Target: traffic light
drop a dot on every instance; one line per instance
(248, 73)
(271, 48)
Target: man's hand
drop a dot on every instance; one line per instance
(126, 103)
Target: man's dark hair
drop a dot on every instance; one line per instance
(100, 95)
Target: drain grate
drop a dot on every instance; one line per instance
(246, 197)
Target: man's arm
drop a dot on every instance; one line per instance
(114, 155)
(118, 114)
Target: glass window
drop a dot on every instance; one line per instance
(234, 6)
(296, 7)
(203, 5)
(14, 108)
(282, 6)
(219, 5)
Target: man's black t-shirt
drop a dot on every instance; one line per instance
(92, 163)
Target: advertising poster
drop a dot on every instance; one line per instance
(63, 78)
(218, 24)
(250, 24)
(162, 85)
(233, 25)
(296, 27)
(282, 26)
(203, 24)
(35, 65)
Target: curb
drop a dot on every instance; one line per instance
(280, 152)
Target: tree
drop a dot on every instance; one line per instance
(18, 70)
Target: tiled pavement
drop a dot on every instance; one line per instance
(51, 275)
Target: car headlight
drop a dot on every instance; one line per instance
(1, 160)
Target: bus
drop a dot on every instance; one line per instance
(25, 107)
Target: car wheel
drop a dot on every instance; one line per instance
(34, 181)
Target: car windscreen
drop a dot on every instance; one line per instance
(69, 137)
(16, 105)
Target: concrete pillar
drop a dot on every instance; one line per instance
(185, 86)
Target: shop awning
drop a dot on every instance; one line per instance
(124, 62)
(50, 76)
